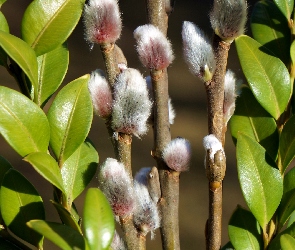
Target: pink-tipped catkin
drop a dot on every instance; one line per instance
(231, 91)
(101, 94)
(177, 154)
(198, 52)
(117, 186)
(102, 21)
(153, 48)
(131, 106)
(146, 215)
(228, 18)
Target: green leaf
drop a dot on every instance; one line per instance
(228, 246)
(20, 202)
(98, 220)
(286, 7)
(260, 180)
(275, 243)
(4, 167)
(70, 117)
(79, 169)
(244, 230)
(287, 242)
(270, 28)
(267, 76)
(22, 54)
(292, 52)
(4, 27)
(251, 119)
(48, 24)
(287, 143)
(61, 235)
(52, 70)
(66, 217)
(23, 124)
(291, 219)
(47, 167)
(287, 205)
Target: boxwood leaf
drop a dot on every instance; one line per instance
(61, 235)
(48, 24)
(20, 202)
(251, 119)
(286, 7)
(287, 143)
(260, 180)
(70, 117)
(275, 243)
(287, 205)
(287, 242)
(22, 54)
(98, 220)
(270, 28)
(4, 27)
(66, 217)
(23, 124)
(267, 76)
(47, 167)
(79, 169)
(244, 230)
(52, 68)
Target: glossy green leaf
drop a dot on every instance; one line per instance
(47, 167)
(66, 217)
(228, 246)
(79, 169)
(291, 219)
(70, 117)
(260, 180)
(4, 27)
(61, 235)
(267, 76)
(4, 167)
(270, 28)
(244, 231)
(275, 243)
(287, 242)
(286, 7)
(98, 220)
(20, 202)
(23, 124)
(22, 54)
(287, 143)
(2, 2)
(287, 205)
(48, 24)
(52, 68)
(292, 52)
(251, 119)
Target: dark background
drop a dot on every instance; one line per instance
(189, 99)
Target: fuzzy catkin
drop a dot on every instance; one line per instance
(117, 186)
(131, 106)
(198, 52)
(102, 21)
(153, 48)
(228, 18)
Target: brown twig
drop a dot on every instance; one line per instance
(216, 126)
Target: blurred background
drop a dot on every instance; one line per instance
(189, 100)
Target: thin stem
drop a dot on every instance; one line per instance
(216, 126)
(135, 241)
(169, 179)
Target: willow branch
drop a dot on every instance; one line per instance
(216, 126)
(112, 56)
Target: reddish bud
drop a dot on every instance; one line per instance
(102, 21)
(153, 48)
(177, 154)
(116, 184)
